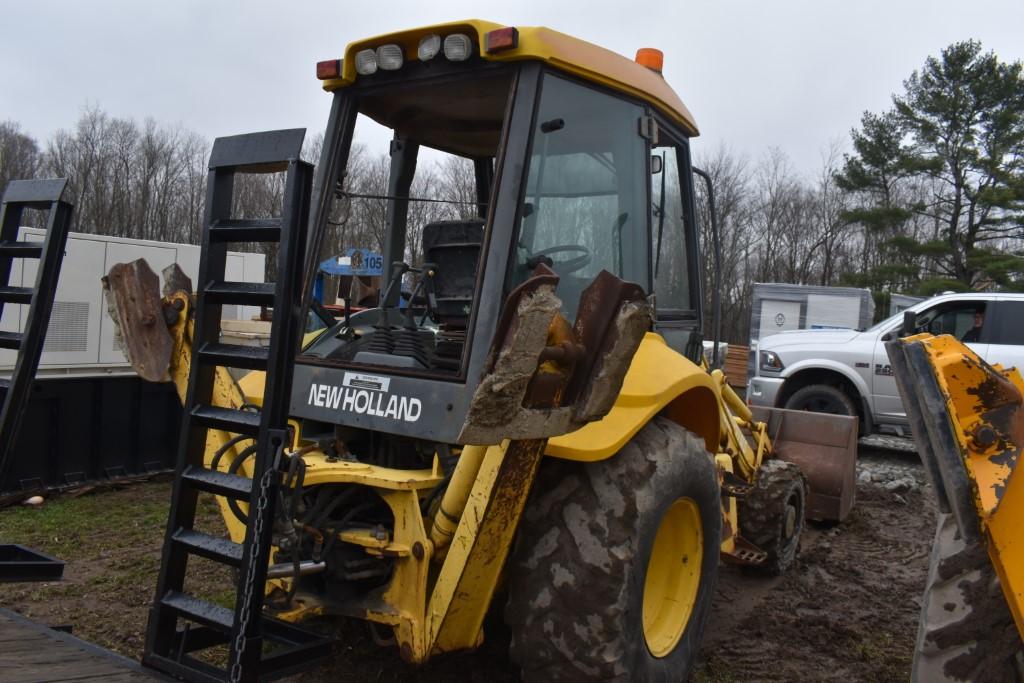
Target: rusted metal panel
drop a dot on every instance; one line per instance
(175, 280)
(133, 301)
(612, 320)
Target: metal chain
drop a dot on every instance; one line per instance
(250, 576)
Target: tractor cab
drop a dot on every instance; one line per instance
(557, 153)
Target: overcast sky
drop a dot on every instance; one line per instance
(794, 74)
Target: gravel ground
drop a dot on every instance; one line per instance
(847, 611)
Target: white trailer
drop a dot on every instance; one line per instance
(80, 340)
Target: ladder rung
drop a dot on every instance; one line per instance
(10, 340)
(16, 295)
(21, 249)
(234, 355)
(199, 611)
(233, 230)
(243, 293)
(218, 483)
(214, 548)
(228, 419)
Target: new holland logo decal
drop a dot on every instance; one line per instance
(366, 395)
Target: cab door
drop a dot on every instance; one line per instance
(674, 244)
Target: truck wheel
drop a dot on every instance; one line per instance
(772, 515)
(966, 632)
(615, 564)
(822, 398)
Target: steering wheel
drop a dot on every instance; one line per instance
(569, 265)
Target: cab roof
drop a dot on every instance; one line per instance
(572, 55)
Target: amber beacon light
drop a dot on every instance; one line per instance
(650, 57)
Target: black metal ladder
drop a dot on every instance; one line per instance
(245, 629)
(20, 195)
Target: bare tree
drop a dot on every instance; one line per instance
(19, 154)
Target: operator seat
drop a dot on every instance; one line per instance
(454, 247)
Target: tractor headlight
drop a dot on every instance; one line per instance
(429, 47)
(458, 47)
(771, 362)
(366, 62)
(390, 57)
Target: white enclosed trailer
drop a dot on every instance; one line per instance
(80, 340)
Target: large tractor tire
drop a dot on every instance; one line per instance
(966, 632)
(771, 516)
(615, 565)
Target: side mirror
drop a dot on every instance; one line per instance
(656, 164)
(909, 323)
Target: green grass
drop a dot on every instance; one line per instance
(111, 542)
(86, 527)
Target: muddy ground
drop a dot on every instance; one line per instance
(847, 611)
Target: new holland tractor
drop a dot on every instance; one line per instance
(526, 413)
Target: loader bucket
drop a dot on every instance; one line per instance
(968, 421)
(824, 447)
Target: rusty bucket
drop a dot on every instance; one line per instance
(824, 447)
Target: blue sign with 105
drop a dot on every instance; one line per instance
(356, 261)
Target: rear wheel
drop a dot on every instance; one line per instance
(614, 568)
(967, 632)
(822, 398)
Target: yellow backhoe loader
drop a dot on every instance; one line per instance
(527, 412)
(968, 420)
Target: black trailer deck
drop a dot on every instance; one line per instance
(33, 653)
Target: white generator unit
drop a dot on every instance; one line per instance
(80, 340)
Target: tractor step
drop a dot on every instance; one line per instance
(234, 356)
(20, 195)
(211, 547)
(227, 419)
(257, 646)
(241, 293)
(229, 230)
(10, 340)
(16, 295)
(218, 483)
(14, 249)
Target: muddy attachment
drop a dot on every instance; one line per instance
(132, 292)
(824, 447)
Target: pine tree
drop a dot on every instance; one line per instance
(940, 177)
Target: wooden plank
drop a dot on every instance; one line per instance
(32, 653)
(735, 366)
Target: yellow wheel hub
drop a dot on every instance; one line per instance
(673, 577)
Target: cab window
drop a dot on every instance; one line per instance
(585, 205)
(670, 236)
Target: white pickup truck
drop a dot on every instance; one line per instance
(848, 373)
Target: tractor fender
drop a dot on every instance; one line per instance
(659, 378)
